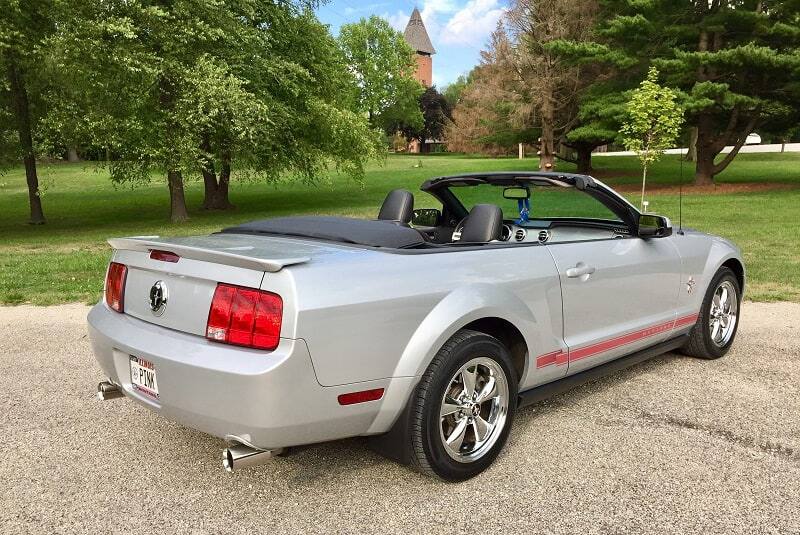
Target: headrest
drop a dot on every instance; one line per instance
(398, 206)
(484, 224)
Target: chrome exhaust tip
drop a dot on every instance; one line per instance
(108, 390)
(241, 456)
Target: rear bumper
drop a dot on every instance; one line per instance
(267, 399)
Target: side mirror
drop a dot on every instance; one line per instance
(654, 226)
(426, 217)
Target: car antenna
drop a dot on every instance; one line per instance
(680, 196)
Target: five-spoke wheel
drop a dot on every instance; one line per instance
(716, 326)
(473, 409)
(724, 306)
(463, 407)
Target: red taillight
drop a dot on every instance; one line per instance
(360, 397)
(164, 256)
(245, 317)
(115, 286)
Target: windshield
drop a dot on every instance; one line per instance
(546, 202)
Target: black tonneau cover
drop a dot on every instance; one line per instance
(339, 229)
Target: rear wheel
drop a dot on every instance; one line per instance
(715, 330)
(463, 407)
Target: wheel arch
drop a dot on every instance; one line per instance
(735, 265)
(481, 307)
(487, 308)
(508, 335)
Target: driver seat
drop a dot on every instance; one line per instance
(398, 206)
(484, 224)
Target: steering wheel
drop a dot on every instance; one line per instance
(459, 227)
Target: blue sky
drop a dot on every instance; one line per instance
(458, 29)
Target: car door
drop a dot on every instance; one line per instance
(619, 295)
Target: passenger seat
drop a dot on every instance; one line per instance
(484, 224)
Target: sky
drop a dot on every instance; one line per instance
(459, 29)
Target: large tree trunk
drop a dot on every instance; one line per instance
(584, 154)
(177, 199)
(706, 149)
(691, 151)
(547, 141)
(72, 154)
(704, 168)
(709, 145)
(19, 99)
(216, 190)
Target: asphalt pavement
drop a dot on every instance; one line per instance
(674, 445)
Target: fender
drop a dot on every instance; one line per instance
(720, 252)
(457, 309)
(701, 258)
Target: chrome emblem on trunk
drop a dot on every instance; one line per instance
(158, 298)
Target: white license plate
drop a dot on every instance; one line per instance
(143, 377)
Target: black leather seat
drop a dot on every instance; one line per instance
(484, 224)
(398, 206)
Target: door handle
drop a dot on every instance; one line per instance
(580, 270)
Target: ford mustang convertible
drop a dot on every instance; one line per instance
(424, 330)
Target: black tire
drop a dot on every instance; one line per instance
(700, 343)
(428, 454)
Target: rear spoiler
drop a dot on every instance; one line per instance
(146, 244)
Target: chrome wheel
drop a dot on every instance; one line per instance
(723, 314)
(473, 409)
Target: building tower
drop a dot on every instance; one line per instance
(417, 36)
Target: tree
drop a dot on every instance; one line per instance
(491, 116)
(189, 87)
(552, 85)
(527, 90)
(735, 62)
(653, 124)
(291, 64)
(24, 25)
(383, 65)
(435, 114)
(453, 91)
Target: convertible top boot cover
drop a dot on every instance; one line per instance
(336, 229)
(484, 224)
(398, 206)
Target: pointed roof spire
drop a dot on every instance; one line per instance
(416, 35)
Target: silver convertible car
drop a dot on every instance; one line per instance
(424, 330)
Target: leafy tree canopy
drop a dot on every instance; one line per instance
(383, 65)
(189, 86)
(653, 124)
(736, 63)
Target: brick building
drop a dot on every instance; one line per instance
(417, 36)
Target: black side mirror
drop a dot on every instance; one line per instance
(654, 226)
(426, 217)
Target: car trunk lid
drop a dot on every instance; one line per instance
(184, 272)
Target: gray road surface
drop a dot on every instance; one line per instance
(675, 445)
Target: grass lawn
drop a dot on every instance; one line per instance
(65, 259)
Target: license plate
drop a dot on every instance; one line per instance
(143, 377)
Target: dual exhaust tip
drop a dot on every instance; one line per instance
(241, 456)
(108, 390)
(236, 457)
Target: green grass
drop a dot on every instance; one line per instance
(65, 259)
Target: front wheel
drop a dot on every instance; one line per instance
(713, 334)
(463, 407)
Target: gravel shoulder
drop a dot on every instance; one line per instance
(673, 445)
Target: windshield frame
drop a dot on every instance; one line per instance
(440, 188)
